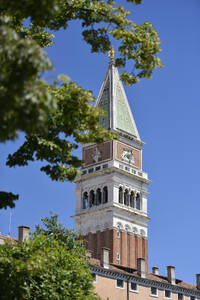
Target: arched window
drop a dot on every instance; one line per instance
(120, 195)
(98, 196)
(126, 198)
(105, 194)
(92, 198)
(85, 200)
(138, 201)
(132, 196)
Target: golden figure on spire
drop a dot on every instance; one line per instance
(111, 53)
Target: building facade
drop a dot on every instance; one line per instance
(111, 208)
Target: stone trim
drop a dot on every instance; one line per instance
(129, 137)
(109, 170)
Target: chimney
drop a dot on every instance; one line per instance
(198, 281)
(171, 274)
(155, 270)
(105, 253)
(23, 233)
(141, 268)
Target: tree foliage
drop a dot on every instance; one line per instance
(53, 265)
(75, 117)
(7, 199)
(57, 117)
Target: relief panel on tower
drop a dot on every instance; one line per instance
(128, 154)
(97, 153)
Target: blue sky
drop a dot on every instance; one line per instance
(166, 110)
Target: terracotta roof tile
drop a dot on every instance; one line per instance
(8, 238)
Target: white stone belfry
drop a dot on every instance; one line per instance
(111, 192)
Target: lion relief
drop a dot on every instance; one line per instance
(127, 156)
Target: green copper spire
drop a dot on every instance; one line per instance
(104, 104)
(112, 99)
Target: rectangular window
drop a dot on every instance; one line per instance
(180, 296)
(154, 291)
(98, 168)
(84, 172)
(118, 256)
(167, 294)
(118, 234)
(120, 283)
(134, 286)
(192, 298)
(105, 166)
(91, 170)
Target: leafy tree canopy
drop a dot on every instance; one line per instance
(53, 265)
(44, 112)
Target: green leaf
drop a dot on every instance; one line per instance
(7, 200)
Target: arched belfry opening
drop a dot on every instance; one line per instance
(120, 195)
(85, 200)
(105, 194)
(98, 196)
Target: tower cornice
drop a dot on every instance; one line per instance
(111, 170)
(114, 208)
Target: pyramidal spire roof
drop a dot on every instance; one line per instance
(112, 99)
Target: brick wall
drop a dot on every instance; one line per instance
(104, 148)
(128, 246)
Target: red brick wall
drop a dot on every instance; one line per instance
(105, 149)
(132, 250)
(123, 255)
(129, 246)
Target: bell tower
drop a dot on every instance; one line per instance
(111, 192)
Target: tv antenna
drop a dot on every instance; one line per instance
(10, 222)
